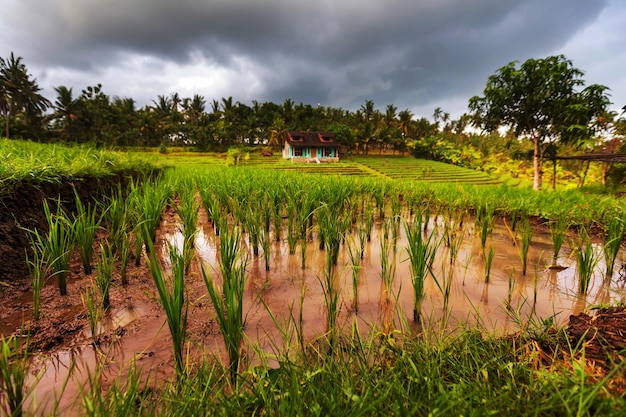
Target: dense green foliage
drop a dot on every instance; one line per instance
(24, 161)
(574, 120)
(540, 101)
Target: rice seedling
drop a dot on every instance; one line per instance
(515, 215)
(265, 245)
(303, 244)
(85, 225)
(228, 302)
(387, 260)
(526, 231)
(213, 209)
(124, 256)
(586, 261)
(362, 235)
(455, 240)
(509, 293)
(488, 263)
(426, 216)
(94, 312)
(612, 242)
(14, 366)
(395, 231)
(39, 273)
(485, 220)
(354, 254)
(558, 232)
(535, 287)
(188, 209)
(446, 285)
(58, 244)
(368, 216)
(150, 202)
(396, 205)
(277, 216)
(379, 197)
(137, 245)
(331, 298)
(421, 252)
(172, 296)
(104, 275)
(329, 226)
(116, 217)
(253, 221)
(293, 232)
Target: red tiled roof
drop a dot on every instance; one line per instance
(319, 139)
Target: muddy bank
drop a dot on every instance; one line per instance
(22, 208)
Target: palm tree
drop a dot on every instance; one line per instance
(18, 92)
(277, 131)
(437, 115)
(65, 111)
(404, 123)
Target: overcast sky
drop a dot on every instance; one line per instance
(415, 54)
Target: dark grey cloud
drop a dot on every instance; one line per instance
(411, 53)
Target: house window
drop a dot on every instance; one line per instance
(327, 152)
(297, 138)
(297, 151)
(325, 138)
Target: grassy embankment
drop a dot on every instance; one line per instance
(31, 162)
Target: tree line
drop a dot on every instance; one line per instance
(542, 100)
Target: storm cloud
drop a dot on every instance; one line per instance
(415, 54)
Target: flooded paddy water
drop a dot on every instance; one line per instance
(136, 334)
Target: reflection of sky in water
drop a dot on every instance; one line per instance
(542, 290)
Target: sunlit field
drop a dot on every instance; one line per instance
(376, 285)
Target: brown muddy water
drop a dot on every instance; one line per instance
(138, 334)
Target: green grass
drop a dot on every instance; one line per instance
(14, 366)
(391, 167)
(437, 375)
(410, 168)
(25, 161)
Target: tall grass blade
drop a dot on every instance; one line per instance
(13, 373)
(421, 252)
(228, 301)
(558, 232)
(586, 261)
(85, 226)
(58, 244)
(104, 275)
(172, 296)
(612, 243)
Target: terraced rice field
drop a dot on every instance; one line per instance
(387, 166)
(407, 167)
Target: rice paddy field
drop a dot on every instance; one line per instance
(374, 286)
(383, 166)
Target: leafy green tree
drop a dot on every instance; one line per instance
(540, 100)
(343, 134)
(20, 94)
(95, 118)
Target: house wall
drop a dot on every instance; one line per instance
(310, 153)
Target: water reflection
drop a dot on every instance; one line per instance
(543, 291)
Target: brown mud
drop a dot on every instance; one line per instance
(134, 332)
(21, 209)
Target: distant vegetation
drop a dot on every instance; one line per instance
(197, 124)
